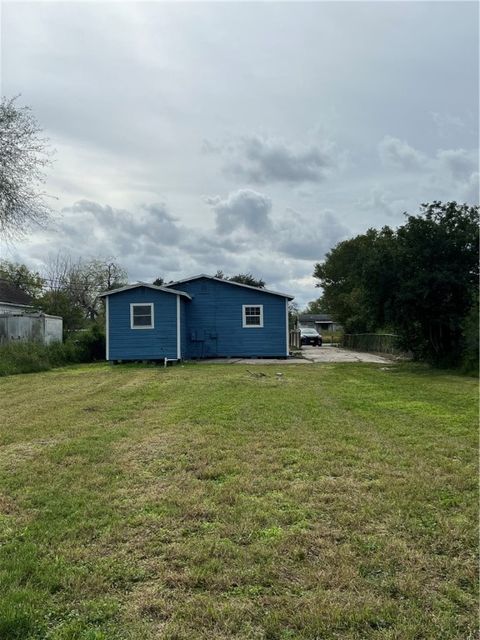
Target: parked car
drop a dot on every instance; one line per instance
(310, 336)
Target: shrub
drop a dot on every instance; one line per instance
(29, 357)
(470, 355)
(90, 343)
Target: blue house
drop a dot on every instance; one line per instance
(199, 317)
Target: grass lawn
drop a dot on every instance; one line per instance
(199, 502)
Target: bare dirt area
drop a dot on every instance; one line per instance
(309, 355)
(335, 354)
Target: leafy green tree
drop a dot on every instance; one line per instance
(471, 355)
(420, 280)
(345, 277)
(19, 275)
(159, 282)
(316, 306)
(248, 278)
(61, 303)
(437, 273)
(242, 278)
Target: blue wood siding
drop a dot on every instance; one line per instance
(214, 321)
(142, 344)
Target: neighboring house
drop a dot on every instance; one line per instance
(19, 320)
(319, 321)
(13, 299)
(199, 317)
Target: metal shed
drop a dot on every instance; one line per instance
(32, 327)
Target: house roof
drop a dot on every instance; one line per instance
(238, 284)
(315, 317)
(11, 294)
(144, 284)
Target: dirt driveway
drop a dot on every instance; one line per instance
(335, 354)
(309, 355)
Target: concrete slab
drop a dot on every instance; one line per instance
(310, 355)
(254, 361)
(335, 354)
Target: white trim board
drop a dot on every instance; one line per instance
(179, 344)
(252, 326)
(143, 284)
(107, 331)
(287, 327)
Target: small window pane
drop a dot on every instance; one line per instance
(142, 321)
(141, 310)
(141, 315)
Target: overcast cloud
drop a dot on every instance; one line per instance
(196, 137)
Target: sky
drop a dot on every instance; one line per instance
(245, 137)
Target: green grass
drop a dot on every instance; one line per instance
(198, 502)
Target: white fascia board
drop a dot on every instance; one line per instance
(238, 284)
(143, 284)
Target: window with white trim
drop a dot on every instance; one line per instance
(141, 315)
(252, 315)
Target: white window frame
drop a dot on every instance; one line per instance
(244, 317)
(142, 304)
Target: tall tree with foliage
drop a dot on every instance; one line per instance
(20, 276)
(316, 306)
(356, 277)
(420, 280)
(248, 278)
(437, 273)
(242, 278)
(24, 157)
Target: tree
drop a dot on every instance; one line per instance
(316, 306)
(345, 277)
(24, 157)
(242, 278)
(420, 280)
(292, 314)
(82, 281)
(437, 270)
(247, 278)
(19, 275)
(159, 282)
(61, 303)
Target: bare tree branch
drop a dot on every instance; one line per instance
(24, 156)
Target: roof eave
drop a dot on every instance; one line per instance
(144, 284)
(239, 284)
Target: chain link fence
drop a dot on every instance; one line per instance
(372, 342)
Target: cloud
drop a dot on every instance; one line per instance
(471, 189)
(383, 202)
(270, 160)
(460, 163)
(243, 208)
(446, 123)
(399, 154)
(292, 234)
(308, 238)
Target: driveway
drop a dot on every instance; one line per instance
(335, 354)
(309, 355)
